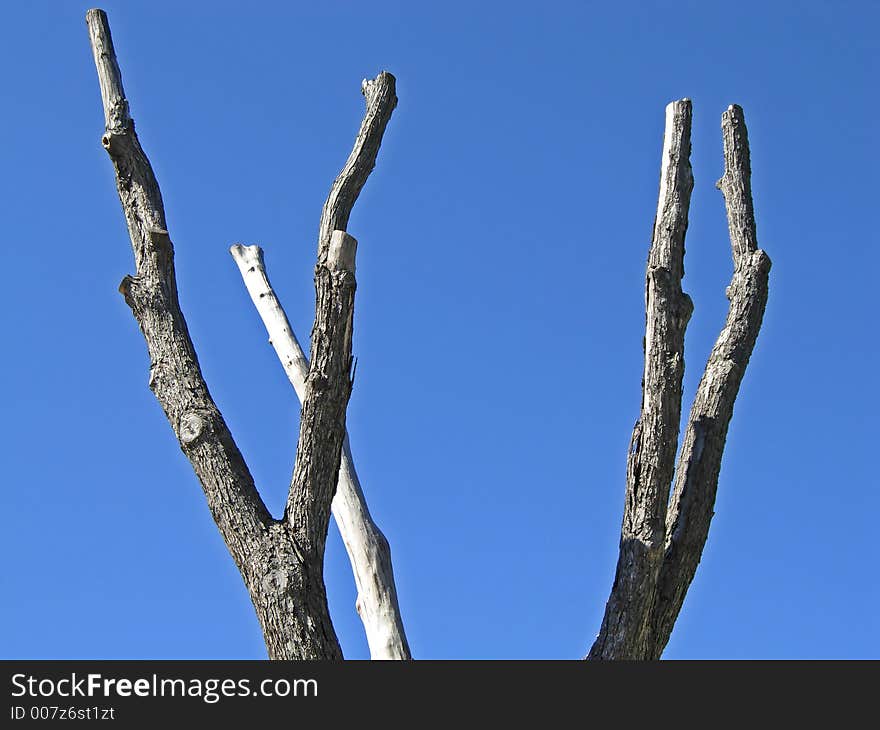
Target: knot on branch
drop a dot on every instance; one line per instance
(275, 581)
(116, 139)
(192, 427)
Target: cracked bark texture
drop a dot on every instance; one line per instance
(651, 457)
(368, 550)
(663, 536)
(328, 387)
(696, 482)
(381, 98)
(281, 561)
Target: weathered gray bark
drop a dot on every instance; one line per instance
(381, 98)
(696, 481)
(281, 561)
(652, 449)
(368, 550)
(661, 544)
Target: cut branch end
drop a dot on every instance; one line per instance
(341, 254)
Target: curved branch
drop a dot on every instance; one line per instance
(696, 482)
(381, 100)
(651, 458)
(368, 550)
(175, 376)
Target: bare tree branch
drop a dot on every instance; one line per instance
(368, 550)
(294, 592)
(651, 457)
(381, 101)
(175, 376)
(282, 566)
(696, 481)
(328, 387)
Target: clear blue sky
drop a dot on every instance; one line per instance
(499, 314)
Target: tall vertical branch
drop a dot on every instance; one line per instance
(175, 376)
(367, 548)
(281, 561)
(696, 481)
(651, 456)
(308, 513)
(328, 387)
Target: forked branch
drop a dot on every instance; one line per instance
(281, 561)
(368, 550)
(661, 543)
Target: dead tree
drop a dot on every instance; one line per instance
(663, 535)
(281, 560)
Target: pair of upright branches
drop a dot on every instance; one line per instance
(663, 534)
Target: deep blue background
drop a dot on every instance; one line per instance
(499, 314)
